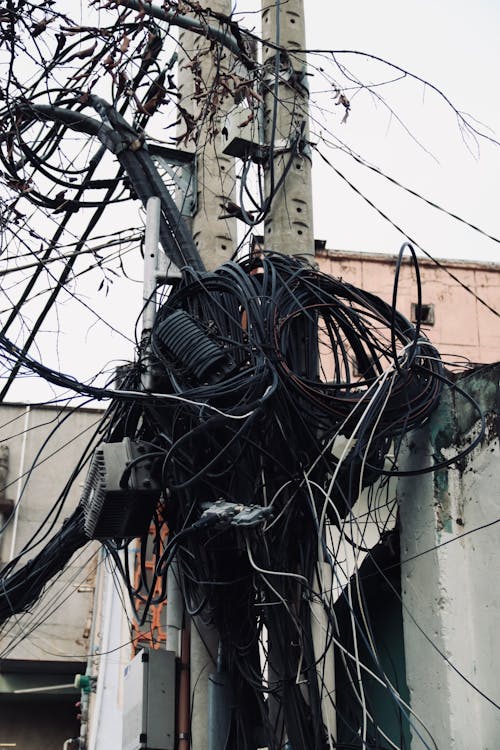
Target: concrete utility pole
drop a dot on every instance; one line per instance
(288, 227)
(215, 238)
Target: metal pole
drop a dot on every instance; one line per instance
(183, 707)
(151, 241)
(175, 609)
(288, 227)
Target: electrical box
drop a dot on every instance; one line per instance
(120, 493)
(149, 701)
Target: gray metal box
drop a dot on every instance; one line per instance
(149, 701)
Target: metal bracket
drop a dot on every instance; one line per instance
(180, 167)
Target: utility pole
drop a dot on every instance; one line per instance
(288, 227)
(198, 74)
(215, 239)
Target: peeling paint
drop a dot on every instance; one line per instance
(453, 589)
(455, 416)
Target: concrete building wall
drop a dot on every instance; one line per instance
(463, 329)
(45, 445)
(41, 651)
(450, 558)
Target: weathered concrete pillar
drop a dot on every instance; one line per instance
(215, 239)
(450, 589)
(201, 97)
(288, 227)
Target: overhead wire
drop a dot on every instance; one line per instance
(441, 265)
(245, 385)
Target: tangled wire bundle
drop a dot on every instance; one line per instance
(279, 393)
(275, 366)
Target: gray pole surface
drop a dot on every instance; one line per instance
(288, 228)
(215, 238)
(203, 660)
(151, 242)
(175, 608)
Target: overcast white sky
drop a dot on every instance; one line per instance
(453, 44)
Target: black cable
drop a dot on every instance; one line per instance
(21, 589)
(240, 415)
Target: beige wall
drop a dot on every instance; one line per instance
(464, 330)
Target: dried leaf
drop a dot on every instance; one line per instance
(39, 28)
(23, 186)
(109, 62)
(247, 121)
(87, 52)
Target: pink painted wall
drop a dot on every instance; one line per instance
(464, 330)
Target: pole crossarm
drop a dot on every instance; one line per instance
(132, 152)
